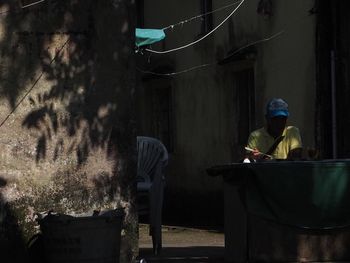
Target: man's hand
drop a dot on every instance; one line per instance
(257, 155)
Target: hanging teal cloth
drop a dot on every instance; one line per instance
(148, 36)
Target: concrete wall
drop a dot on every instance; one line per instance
(206, 100)
(285, 64)
(67, 115)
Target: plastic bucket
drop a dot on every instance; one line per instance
(88, 239)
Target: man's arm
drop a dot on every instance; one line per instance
(296, 146)
(295, 154)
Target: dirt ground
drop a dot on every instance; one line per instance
(183, 245)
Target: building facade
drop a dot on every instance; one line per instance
(203, 100)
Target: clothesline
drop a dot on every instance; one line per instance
(199, 16)
(148, 36)
(198, 40)
(214, 63)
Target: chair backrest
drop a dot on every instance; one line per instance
(151, 154)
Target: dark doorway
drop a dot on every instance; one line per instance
(243, 110)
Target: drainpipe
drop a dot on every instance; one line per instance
(334, 106)
(333, 80)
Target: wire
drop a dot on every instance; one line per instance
(212, 64)
(37, 2)
(175, 73)
(200, 39)
(23, 7)
(199, 16)
(34, 84)
(253, 43)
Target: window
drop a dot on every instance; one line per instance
(245, 101)
(163, 116)
(155, 111)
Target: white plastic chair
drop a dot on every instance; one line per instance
(152, 159)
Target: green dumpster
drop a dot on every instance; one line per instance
(305, 194)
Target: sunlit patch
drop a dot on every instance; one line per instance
(103, 112)
(2, 30)
(115, 55)
(125, 27)
(81, 90)
(4, 9)
(116, 3)
(68, 18)
(2, 35)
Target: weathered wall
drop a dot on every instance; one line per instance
(285, 64)
(206, 100)
(67, 114)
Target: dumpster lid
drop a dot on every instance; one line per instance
(52, 216)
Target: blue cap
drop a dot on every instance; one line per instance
(277, 107)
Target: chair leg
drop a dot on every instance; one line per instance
(156, 220)
(156, 233)
(157, 244)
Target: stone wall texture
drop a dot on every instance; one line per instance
(66, 114)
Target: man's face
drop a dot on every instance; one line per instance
(276, 125)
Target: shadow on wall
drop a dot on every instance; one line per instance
(76, 80)
(67, 76)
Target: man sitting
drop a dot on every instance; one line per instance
(276, 140)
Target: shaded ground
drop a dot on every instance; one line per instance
(183, 245)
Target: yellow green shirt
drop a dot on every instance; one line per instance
(262, 140)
